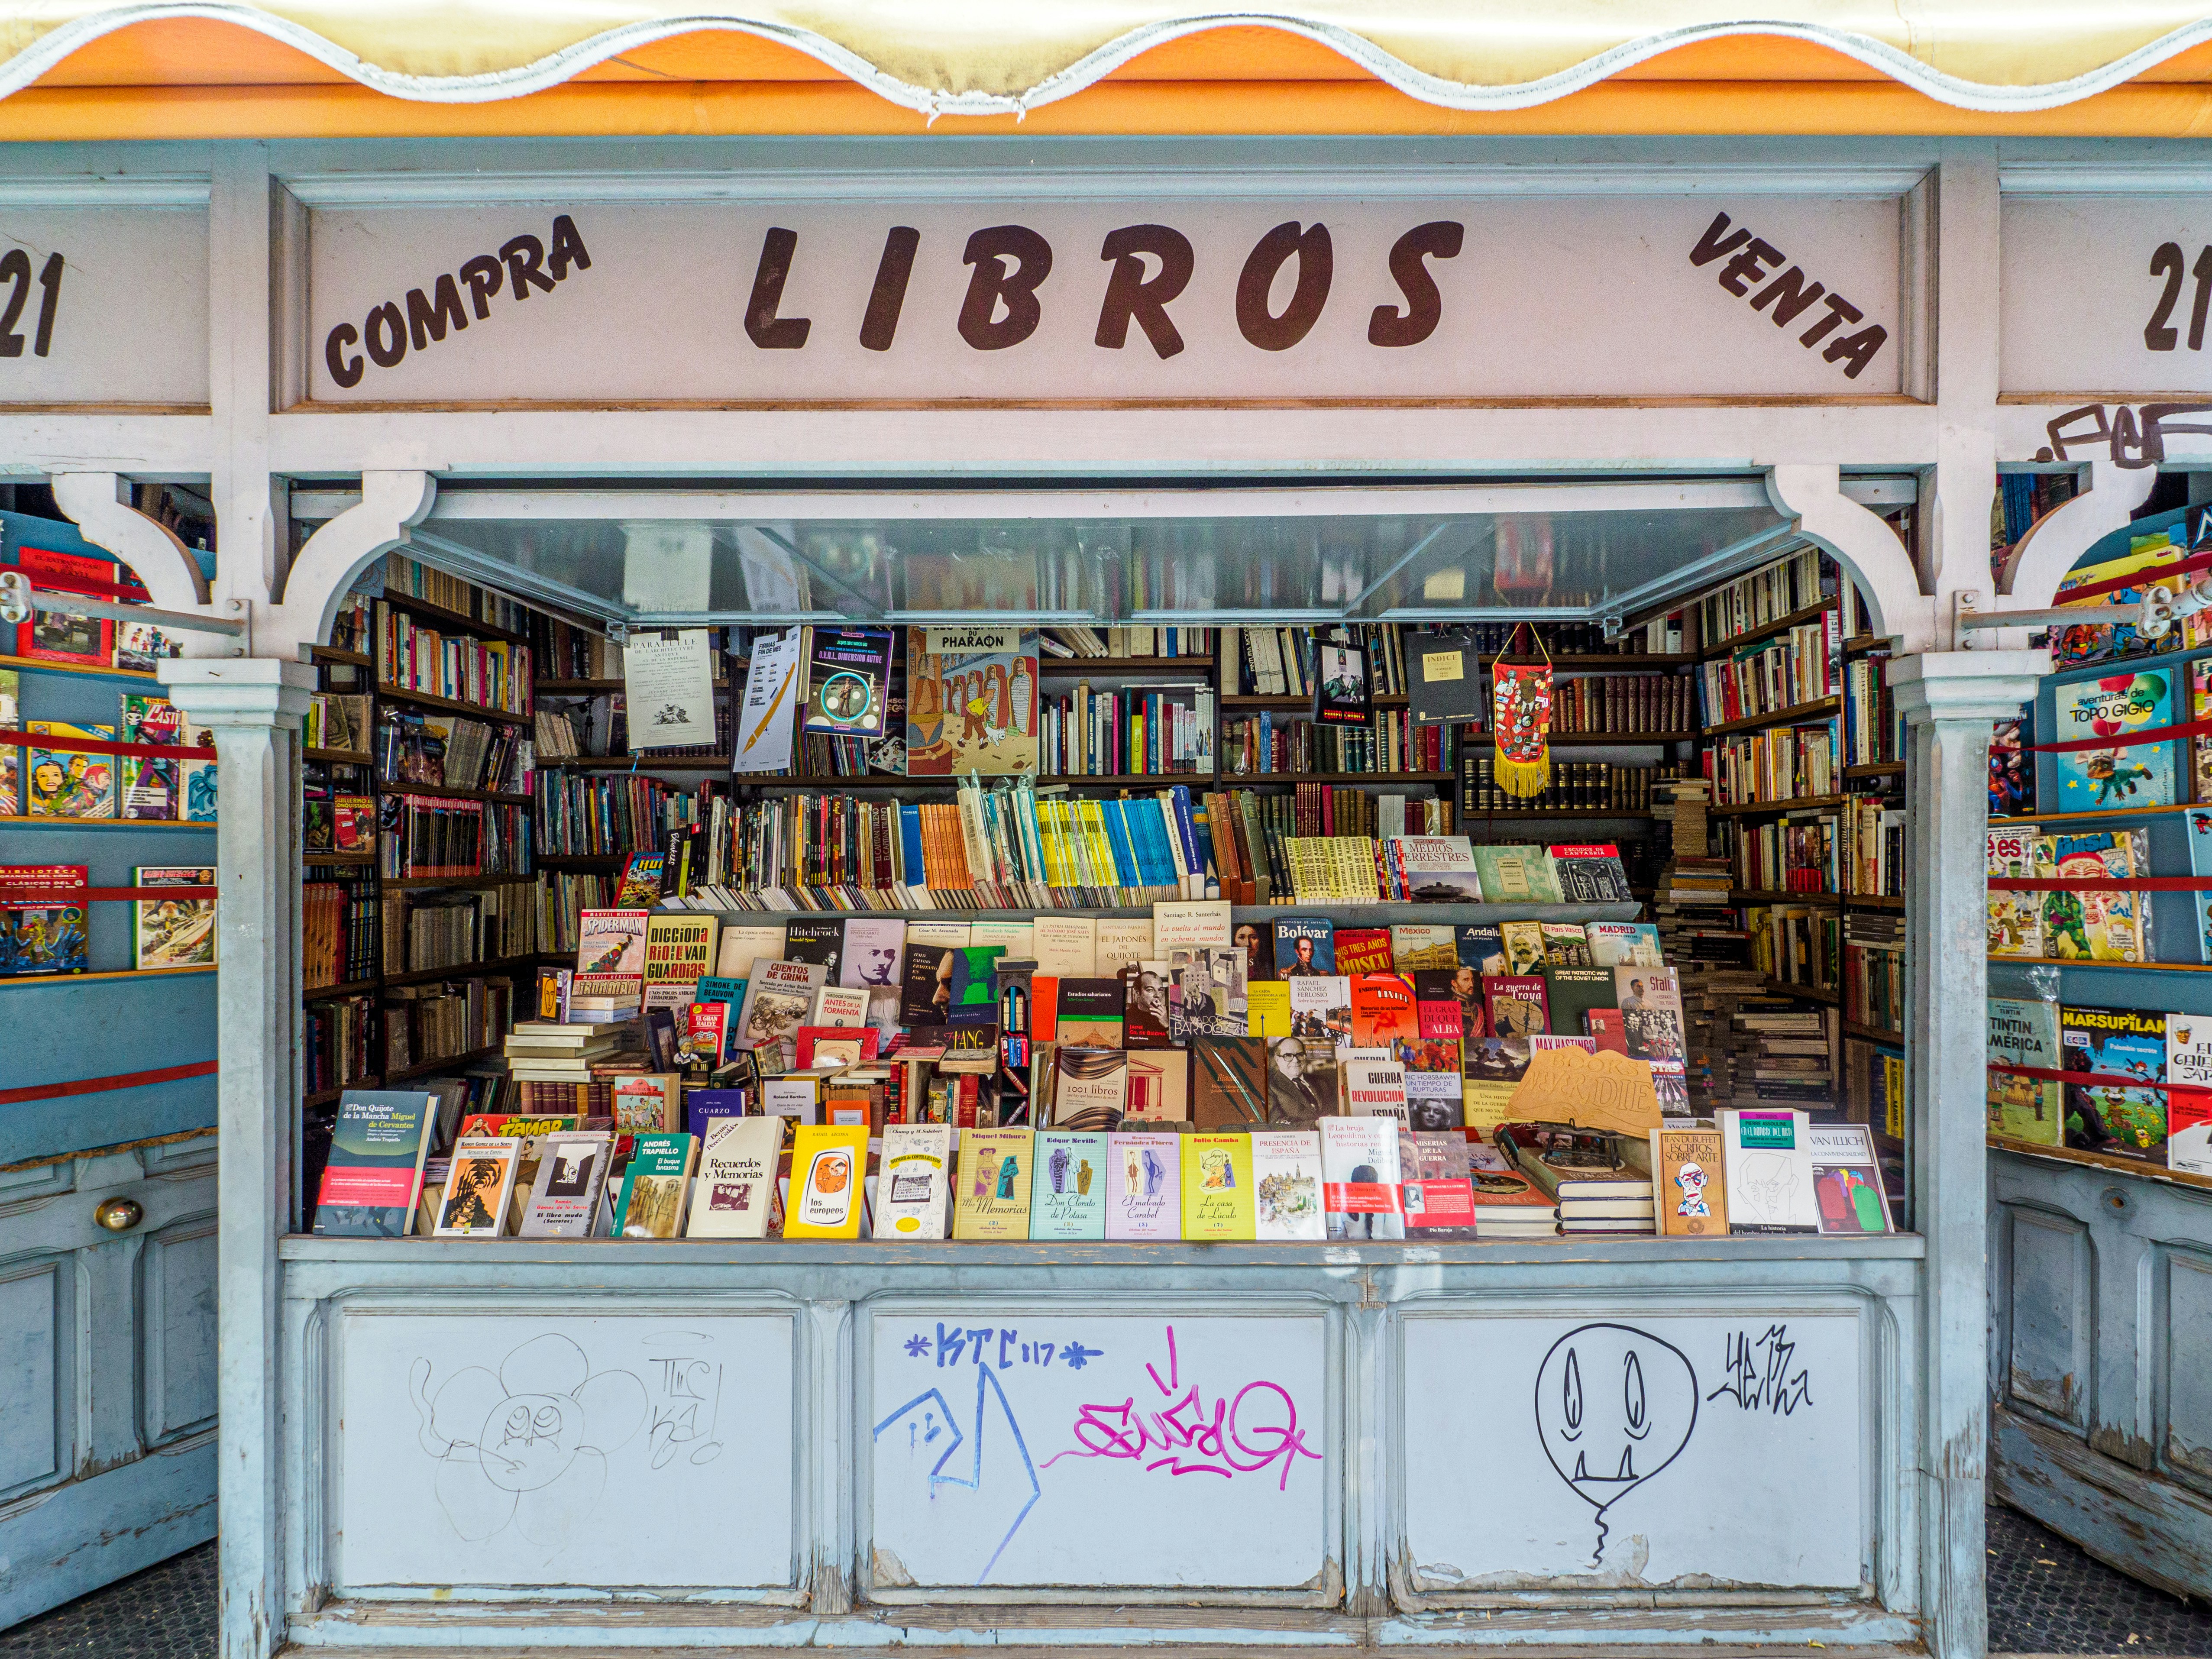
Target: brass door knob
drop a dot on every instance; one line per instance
(119, 1215)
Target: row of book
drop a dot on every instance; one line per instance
(1780, 763)
(403, 577)
(1873, 977)
(338, 1048)
(1576, 787)
(1797, 944)
(425, 836)
(337, 720)
(423, 1024)
(57, 636)
(459, 927)
(54, 780)
(411, 657)
(1771, 677)
(582, 814)
(2128, 1081)
(1873, 731)
(449, 752)
(1628, 704)
(1350, 1179)
(1155, 729)
(1391, 741)
(1127, 641)
(1784, 588)
(1288, 662)
(340, 924)
(1662, 636)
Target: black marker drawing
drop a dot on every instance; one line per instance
(525, 1446)
(1759, 1374)
(1615, 1405)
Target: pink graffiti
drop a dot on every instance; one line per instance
(1247, 1433)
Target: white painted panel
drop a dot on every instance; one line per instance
(1643, 1452)
(128, 315)
(520, 1450)
(1077, 1450)
(179, 1317)
(2080, 311)
(1571, 295)
(29, 1375)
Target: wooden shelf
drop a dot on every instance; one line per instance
(1874, 1034)
(1546, 814)
(1729, 647)
(1859, 644)
(2084, 961)
(2134, 1166)
(351, 987)
(330, 1096)
(1874, 902)
(1591, 660)
(105, 823)
(1876, 770)
(1616, 740)
(430, 1066)
(649, 763)
(450, 620)
(337, 860)
(1803, 711)
(331, 653)
(1750, 809)
(558, 859)
(405, 884)
(38, 666)
(1304, 705)
(1783, 988)
(1077, 667)
(2108, 812)
(79, 979)
(1771, 896)
(449, 706)
(599, 688)
(394, 787)
(337, 757)
(1243, 780)
(460, 970)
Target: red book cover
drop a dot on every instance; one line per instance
(1607, 1028)
(1439, 1019)
(707, 1028)
(1383, 1011)
(1438, 1204)
(868, 1036)
(1362, 951)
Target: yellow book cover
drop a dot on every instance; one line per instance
(679, 948)
(1217, 1187)
(993, 1186)
(828, 1163)
(1267, 1007)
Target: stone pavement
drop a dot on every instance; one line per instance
(2045, 1597)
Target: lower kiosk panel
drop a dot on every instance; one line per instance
(690, 1444)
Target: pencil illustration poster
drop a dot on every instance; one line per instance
(764, 725)
(971, 701)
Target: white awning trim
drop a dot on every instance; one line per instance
(1015, 56)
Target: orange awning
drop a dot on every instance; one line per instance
(265, 68)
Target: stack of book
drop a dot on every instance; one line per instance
(559, 1066)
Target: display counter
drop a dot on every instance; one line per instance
(765, 1443)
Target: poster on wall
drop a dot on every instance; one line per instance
(971, 701)
(668, 684)
(849, 676)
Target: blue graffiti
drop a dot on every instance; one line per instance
(933, 1404)
(978, 1344)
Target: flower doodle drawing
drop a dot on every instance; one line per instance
(525, 1447)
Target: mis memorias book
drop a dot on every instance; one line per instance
(991, 1196)
(377, 1148)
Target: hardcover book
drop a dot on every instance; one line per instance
(43, 929)
(1362, 951)
(1524, 946)
(925, 984)
(68, 783)
(1571, 993)
(1383, 1011)
(679, 948)
(1422, 947)
(1481, 946)
(779, 1000)
(610, 945)
(1590, 873)
(1228, 1083)
(479, 1181)
(734, 1194)
(1624, 944)
(2113, 1044)
(1376, 1088)
(1144, 1198)
(1286, 1169)
(1068, 1187)
(1144, 1006)
(913, 1188)
(1517, 1009)
(1516, 875)
(991, 1198)
(1217, 1187)
(1437, 869)
(647, 1101)
(1650, 1003)
(971, 701)
(377, 1147)
(829, 1165)
(2026, 1034)
(820, 942)
(1565, 946)
(1092, 1012)
(564, 1194)
(2114, 707)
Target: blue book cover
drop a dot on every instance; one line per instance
(715, 988)
(1317, 934)
(702, 1106)
(2114, 707)
(1481, 946)
(1067, 1189)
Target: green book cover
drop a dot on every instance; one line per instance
(655, 1187)
(375, 1169)
(1571, 992)
(1516, 875)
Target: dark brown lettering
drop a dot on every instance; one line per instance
(1130, 297)
(525, 261)
(1856, 350)
(484, 276)
(344, 370)
(879, 326)
(1840, 310)
(765, 329)
(428, 320)
(1317, 257)
(994, 280)
(1440, 239)
(1715, 242)
(1789, 294)
(567, 249)
(386, 336)
(1752, 263)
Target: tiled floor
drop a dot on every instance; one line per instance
(2045, 1597)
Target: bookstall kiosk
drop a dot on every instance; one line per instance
(939, 1445)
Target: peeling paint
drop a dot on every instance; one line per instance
(889, 1572)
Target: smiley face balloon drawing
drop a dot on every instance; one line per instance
(1615, 1405)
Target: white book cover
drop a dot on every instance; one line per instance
(1320, 1007)
(572, 1172)
(871, 952)
(1123, 940)
(1375, 1086)
(744, 944)
(1067, 947)
(779, 997)
(734, 1191)
(1767, 1166)
(839, 1005)
(942, 934)
(477, 1187)
(1623, 944)
(914, 1186)
(764, 725)
(799, 1097)
(1286, 1170)
(1013, 936)
(1360, 1178)
(1191, 924)
(1847, 1179)
(2188, 1052)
